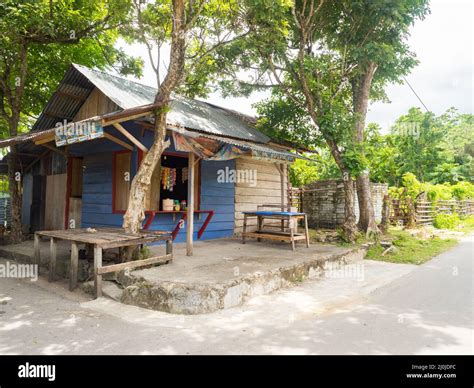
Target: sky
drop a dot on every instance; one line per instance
(444, 45)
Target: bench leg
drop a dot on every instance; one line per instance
(37, 258)
(97, 266)
(306, 230)
(74, 266)
(292, 239)
(259, 227)
(52, 259)
(169, 247)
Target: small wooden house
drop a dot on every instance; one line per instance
(79, 158)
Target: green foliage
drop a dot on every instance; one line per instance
(410, 249)
(411, 187)
(446, 221)
(435, 149)
(462, 190)
(467, 224)
(317, 167)
(51, 36)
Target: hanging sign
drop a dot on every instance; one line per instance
(70, 133)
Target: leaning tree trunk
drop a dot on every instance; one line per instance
(361, 86)
(140, 186)
(16, 233)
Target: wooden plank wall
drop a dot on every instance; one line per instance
(97, 199)
(266, 191)
(96, 104)
(55, 201)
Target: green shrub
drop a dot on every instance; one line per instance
(446, 221)
(462, 190)
(412, 187)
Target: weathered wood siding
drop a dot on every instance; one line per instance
(55, 201)
(96, 104)
(267, 189)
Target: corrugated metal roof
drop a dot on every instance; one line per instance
(191, 114)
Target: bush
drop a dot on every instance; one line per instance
(462, 190)
(446, 221)
(412, 187)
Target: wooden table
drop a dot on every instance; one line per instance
(292, 236)
(102, 238)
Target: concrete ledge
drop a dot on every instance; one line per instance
(193, 297)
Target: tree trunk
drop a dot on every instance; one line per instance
(140, 186)
(366, 207)
(361, 90)
(386, 210)
(349, 227)
(16, 233)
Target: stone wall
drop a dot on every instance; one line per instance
(323, 202)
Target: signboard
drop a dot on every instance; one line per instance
(70, 133)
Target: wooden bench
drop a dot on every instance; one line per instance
(290, 217)
(99, 239)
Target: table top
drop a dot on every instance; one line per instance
(100, 235)
(270, 213)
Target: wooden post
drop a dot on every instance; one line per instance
(74, 266)
(244, 229)
(37, 257)
(306, 231)
(52, 259)
(169, 246)
(292, 238)
(282, 189)
(190, 213)
(97, 266)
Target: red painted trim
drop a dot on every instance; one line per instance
(202, 229)
(114, 168)
(206, 222)
(177, 228)
(139, 158)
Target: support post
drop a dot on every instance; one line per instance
(282, 189)
(97, 275)
(190, 212)
(74, 266)
(169, 246)
(37, 252)
(52, 259)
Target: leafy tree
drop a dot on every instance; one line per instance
(371, 38)
(38, 40)
(193, 29)
(323, 60)
(436, 149)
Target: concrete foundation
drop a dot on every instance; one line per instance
(226, 273)
(221, 274)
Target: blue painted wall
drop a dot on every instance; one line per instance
(97, 192)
